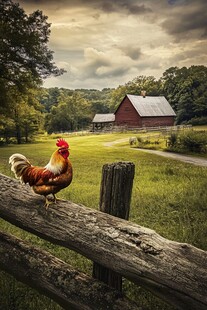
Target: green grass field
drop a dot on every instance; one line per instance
(168, 196)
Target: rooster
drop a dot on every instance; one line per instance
(56, 175)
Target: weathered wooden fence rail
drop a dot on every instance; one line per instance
(176, 272)
(56, 279)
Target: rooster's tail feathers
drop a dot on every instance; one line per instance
(18, 164)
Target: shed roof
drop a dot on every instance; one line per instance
(104, 118)
(151, 106)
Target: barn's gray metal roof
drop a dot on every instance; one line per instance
(151, 106)
(104, 118)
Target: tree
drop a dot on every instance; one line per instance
(49, 97)
(23, 120)
(186, 91)
(7, 129)
(24, 55)
(28, 121)
(25, 60)
(71, 113)
(98, 99)
(134, 87)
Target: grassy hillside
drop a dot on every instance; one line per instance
(168, 196)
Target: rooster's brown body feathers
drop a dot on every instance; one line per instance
(56, 175)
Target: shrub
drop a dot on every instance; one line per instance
(191, 141)
(194, 141)
(139, 140)
(173, 140)
(198, 121)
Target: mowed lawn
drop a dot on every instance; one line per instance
(168, 196)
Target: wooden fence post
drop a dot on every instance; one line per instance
(115, 197)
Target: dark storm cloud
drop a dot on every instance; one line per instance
(133, 52)
(197, 51)
(175, 2)
(42, 1)
(188, 19)
(139, 9)
(128, 7)
(187, 22)
(120, 71)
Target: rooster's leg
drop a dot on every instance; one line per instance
(48, 202)
(55, 199)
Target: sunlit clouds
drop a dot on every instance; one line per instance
(107, 43)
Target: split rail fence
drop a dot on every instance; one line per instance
(176, 272)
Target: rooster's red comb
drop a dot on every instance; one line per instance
(62, 143)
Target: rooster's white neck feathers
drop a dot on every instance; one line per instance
(56, 169)
(55, 166)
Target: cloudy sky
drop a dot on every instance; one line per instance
(104, 43)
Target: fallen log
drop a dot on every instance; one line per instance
(70, 288)
(177, 272)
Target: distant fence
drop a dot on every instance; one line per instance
(126, 128)
(176, 272)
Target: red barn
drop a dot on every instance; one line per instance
(144, 111)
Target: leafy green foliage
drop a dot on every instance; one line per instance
(25, 60)
(134, 87)
(194, 141)
(99, 100)
(71, 113)
(49, 97)
(73, 109)
(186, 90)
(198, 120)
(189, 141)
(23, 121)
(172, 139)
(7, 129)
(24, 55)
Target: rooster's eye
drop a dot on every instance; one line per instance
(64, 153)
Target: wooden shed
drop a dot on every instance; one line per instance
(144, 111)
(101, 121)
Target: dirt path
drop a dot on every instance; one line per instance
(112, 143)
(185, 158)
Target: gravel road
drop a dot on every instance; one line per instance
(198, 161)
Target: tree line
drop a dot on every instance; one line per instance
(26, 107)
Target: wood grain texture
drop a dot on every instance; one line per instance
(177, 272)
(115, 197)
(70, 288)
